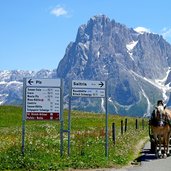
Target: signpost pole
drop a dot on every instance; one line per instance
(23, 137)
(61, 137)
(61, 120)
(69, 126)
(106, 146)
(23, 118)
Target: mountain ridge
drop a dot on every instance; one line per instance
(11, 84)
(107, 50)
(135, 64)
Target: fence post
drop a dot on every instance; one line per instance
(136, 123)
(113, 133)
(142, 123)
(122, 127)
(126, 121)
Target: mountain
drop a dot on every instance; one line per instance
(135, 64)
(11, 84)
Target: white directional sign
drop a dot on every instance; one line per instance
(85, 88)
(88, 84)
(43, 82)
(88, 92)
(43, 99)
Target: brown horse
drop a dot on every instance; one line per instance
(161, 129)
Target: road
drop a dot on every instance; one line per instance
(149, 162)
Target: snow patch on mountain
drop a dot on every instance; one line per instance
(158, 83)
(3, 98)
(142, 30)
(130, 46)
(148, 104)
(103, 104)
(11, 83)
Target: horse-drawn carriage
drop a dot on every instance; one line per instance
(152, 140)
(160, 130)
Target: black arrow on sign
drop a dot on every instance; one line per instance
(101, 84)
(30, 81)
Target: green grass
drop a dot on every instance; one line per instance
(42, 142)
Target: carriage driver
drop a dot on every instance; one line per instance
(160, 103)
(152, 120)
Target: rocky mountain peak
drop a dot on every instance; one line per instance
(136, 66)
(87, 32)
(129, 60)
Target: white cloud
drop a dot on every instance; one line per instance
(166, 33)
(59, 11)
(141, 30)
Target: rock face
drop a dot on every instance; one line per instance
(135, 65)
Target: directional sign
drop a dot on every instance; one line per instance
(43, 82)
(88, 92)
(88, 84)
(43, 99)
(86, 88)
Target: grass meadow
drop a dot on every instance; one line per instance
(42, 142)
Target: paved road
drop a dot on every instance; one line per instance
(149, 162)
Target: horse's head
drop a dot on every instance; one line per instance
(160, 115)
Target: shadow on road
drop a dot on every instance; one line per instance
(146, 155)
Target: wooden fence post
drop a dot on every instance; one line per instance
(113, 133)
(136, 124)
(126, 121)
(142, 123)
(122, 127)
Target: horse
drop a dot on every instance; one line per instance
(161, 129)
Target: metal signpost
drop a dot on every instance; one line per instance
(42, 100)
(89, 89)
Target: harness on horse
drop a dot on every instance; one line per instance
(163, 120)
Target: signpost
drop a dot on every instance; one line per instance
(42, 103)
(42, 100)
(88, 89)
(85, 88)
(88, 84)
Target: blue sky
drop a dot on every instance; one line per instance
(34, 34)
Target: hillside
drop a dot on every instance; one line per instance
(42, 148)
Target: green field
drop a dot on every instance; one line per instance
(42, 142)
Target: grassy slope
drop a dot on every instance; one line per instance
(42, 150)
